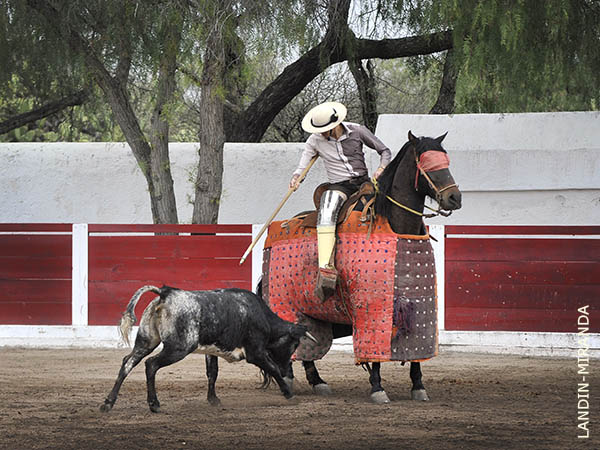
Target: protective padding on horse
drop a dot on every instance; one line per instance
(386, 291)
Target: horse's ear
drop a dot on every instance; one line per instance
(412, 137)
(439, 139)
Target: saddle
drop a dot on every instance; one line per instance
(361, 200)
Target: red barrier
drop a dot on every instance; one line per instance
(35, 274)
(120, 264)
(505, 283)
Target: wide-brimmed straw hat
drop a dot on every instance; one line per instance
(324, 117)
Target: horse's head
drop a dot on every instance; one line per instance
(432, 174)
(419, 169)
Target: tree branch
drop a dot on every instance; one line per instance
(257, 117)
(445, 100)
(76, 99)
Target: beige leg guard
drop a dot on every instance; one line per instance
(325, 242)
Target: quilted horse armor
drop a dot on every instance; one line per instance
(386, 289)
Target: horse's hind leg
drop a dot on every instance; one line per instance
(378, 395)
(319, 386)
(142, 348)
(288, 376)
(212, 371)
(418, 391)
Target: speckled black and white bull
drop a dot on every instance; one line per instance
(233, 324)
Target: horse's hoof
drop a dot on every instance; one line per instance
(292, 401)
(379, 398)
(419, 395)
(322, 389)
(106, 407)
(154, 408)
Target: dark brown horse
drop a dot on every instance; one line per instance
(420, 169)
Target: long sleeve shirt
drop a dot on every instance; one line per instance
(344, 158)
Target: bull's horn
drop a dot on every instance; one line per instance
(311, 337)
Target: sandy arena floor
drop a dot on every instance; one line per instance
(51, 398)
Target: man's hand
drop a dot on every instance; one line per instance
(294, 183)
(378, 172)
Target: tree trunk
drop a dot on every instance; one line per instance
(212, 138)
(367, 90)
(160, 162)
(445, 100)
(162, 196)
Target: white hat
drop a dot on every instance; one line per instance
(324, 117)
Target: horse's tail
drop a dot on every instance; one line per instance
(128, 318)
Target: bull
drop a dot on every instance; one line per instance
(233, 324)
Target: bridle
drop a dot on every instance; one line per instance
(430, 163)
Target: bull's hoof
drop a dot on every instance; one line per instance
(419, 395)
(106, 407)
(214, 401)
(379, 398)
(322, 389)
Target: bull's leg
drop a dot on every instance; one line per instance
(378, 395)
(168, 355)
(142, 348)
(262, 360)
(418, 391)
(319, 386)
(212, 371)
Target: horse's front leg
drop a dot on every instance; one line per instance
(378, 395)
(418, 391)
(319, 386)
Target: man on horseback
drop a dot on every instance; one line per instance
(340, 145)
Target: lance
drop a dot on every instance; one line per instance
(270, 219)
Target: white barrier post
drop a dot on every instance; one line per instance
(257, 255)
(79, 283)
(438, 232)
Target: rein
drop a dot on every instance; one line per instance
(434, 160)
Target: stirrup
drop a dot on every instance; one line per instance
(326, 283)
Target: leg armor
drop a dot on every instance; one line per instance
(331, 203)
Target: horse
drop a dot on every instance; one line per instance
(419, 169)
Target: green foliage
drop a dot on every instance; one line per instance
(526, 55)
(514, 55)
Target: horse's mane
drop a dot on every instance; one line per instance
(386, 179)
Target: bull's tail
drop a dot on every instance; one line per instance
(128, 318)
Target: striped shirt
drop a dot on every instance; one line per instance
(344, 158)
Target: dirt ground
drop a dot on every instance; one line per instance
(51, 398)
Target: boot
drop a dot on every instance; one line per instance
(326, 282)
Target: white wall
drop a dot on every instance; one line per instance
(539, 168)
(535, 168)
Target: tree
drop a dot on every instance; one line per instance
(82, 27)
(498, 55)
(525, 55)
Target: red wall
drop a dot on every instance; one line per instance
(35, 268)
(119, 265)
(35, 274)
(513, 284)
(498, 283)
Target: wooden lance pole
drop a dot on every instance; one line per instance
(270, 219)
